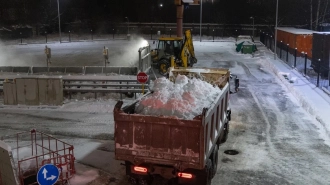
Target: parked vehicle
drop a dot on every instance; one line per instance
(182, 151)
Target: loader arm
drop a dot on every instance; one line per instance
(187, 51)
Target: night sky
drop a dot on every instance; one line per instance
(291, 12)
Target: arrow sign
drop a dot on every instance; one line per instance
(51, 177)
(48, 175)
(45, 173)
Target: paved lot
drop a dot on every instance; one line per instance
(278, 142)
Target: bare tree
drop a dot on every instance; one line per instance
(317, 14)
(311, 26)
(325, 10)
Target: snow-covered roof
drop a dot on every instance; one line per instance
(296, 30)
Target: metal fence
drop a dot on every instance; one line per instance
(301, 62)
(33, 149)
(79, 33)
(144, 59)
(72, 70)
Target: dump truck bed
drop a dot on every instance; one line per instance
(168, 140)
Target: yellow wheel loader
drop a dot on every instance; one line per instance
(180, 50)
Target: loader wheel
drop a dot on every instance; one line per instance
(163, 67)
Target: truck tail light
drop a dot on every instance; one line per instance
(185, 175)
(140, 169)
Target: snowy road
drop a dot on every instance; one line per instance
(278, 142)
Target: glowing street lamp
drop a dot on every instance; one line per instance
(252, 26)
(59, 19)
(276, 30)
(127, 25)
(200, 21)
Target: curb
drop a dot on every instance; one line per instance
(326, 91)
(301, 99)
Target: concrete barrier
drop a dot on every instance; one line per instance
(36, 70)
(128, 70)
(57, 69)
(93, 69)
(121, 70)
(6, 69)
(22, 69)
(75, 70)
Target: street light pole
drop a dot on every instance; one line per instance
(59, 19)
(200, 26)
(252, 26)
(127, 25)
(276, 30)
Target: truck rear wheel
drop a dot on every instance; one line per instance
(133, 180)
(208, 169)
(140, 180)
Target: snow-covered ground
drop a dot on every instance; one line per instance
(281, 130)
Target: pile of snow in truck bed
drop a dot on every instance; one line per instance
(184, 99)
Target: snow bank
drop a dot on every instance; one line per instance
(183, 99)
(301, 98)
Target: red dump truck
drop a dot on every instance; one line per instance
(182, 151)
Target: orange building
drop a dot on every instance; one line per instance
(302, 39)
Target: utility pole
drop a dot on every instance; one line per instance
(59, 19)
(276, 30)
(200, 26)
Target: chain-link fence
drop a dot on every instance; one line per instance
(317, 72)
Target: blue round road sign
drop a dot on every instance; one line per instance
(48, 174)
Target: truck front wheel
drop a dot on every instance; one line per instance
(225, 133)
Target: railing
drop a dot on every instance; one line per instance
(127, 85)
(299, 61)
(80, 70)
(122, 86)
(144, 59)
(33, 149)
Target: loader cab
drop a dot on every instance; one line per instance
(168, 47)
